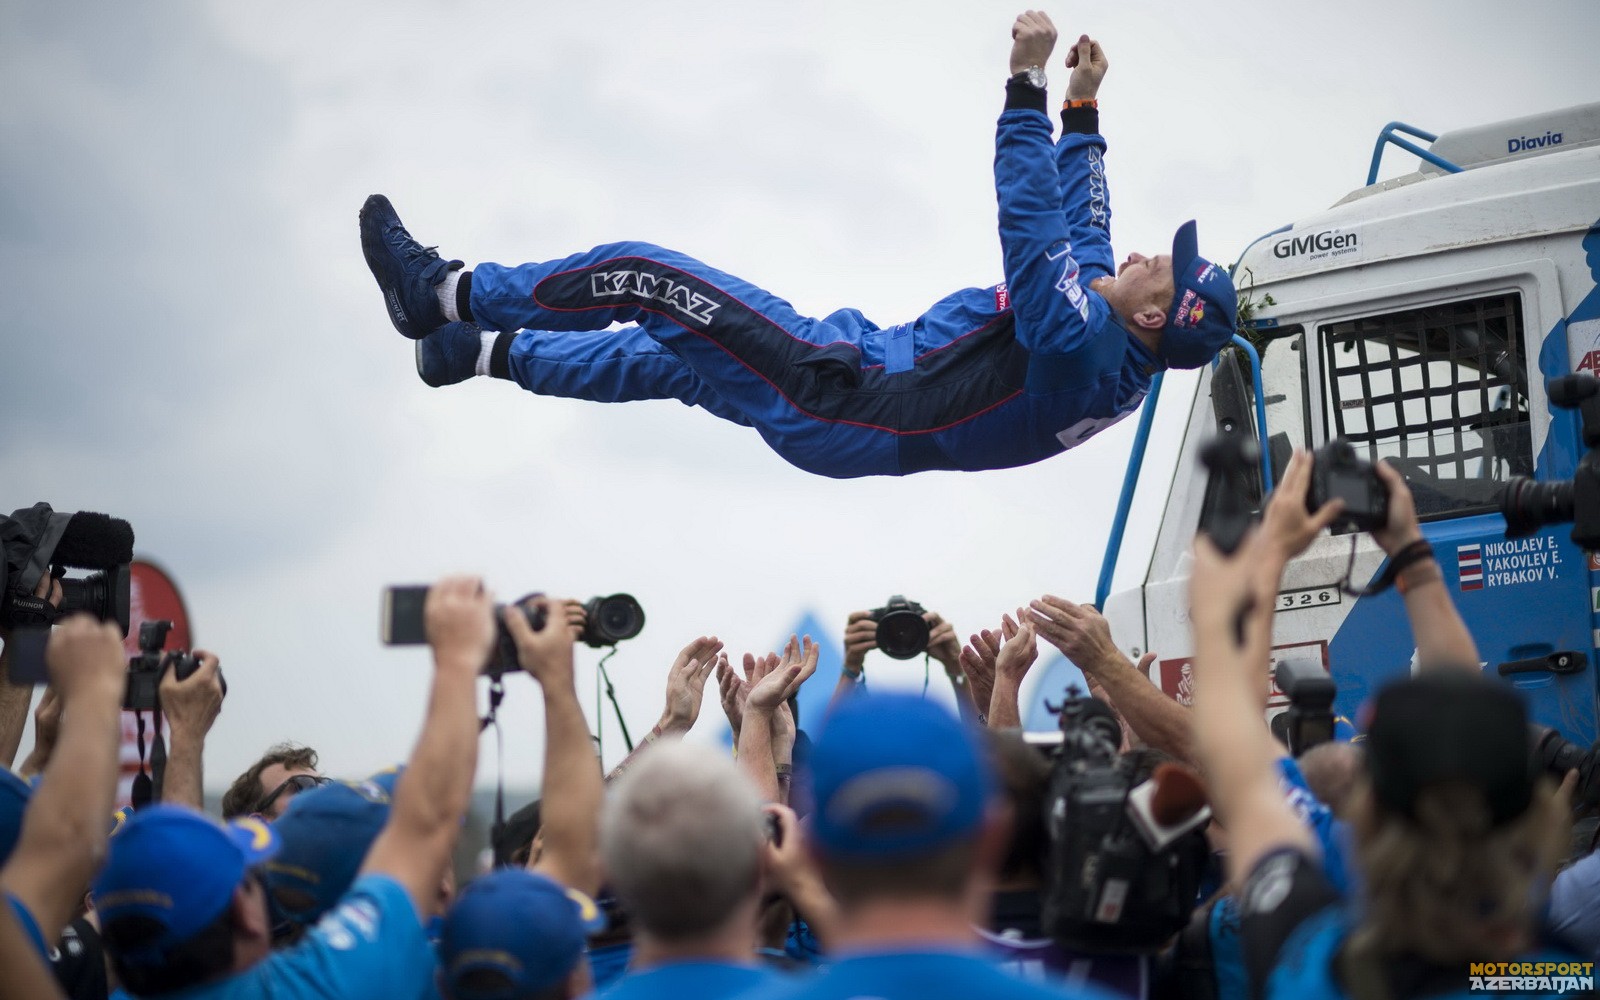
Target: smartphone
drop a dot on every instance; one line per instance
(401, 622)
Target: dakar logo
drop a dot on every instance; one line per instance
(1329, 242)
(644, 285)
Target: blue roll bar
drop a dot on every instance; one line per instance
(1388, 136)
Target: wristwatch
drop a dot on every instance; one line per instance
(1033, 76)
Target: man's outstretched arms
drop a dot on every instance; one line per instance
(1055, 312)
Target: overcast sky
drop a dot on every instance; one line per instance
(192, 341)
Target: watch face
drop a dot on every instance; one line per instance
(1036, 77)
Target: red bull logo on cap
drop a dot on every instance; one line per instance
(1191, 309)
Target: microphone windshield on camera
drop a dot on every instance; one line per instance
(94, 540)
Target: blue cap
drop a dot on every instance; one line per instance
(893, 774)
(326, 833)
(14, 795)
(179, 868)
(512, 933)
(1205, 308)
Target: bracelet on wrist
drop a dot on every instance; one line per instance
(1086, 102)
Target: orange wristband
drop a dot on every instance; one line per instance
(1069, 104)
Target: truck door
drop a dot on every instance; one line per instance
(1442, 391)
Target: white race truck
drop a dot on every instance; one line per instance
(1418, 318)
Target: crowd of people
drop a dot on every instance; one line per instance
(891, 849)
(901, 850)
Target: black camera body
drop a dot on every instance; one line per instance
(1338, 473)
(608, 621)
(1309, 718)
(1529, 505)
(37, 540)
(1555, 755)
(1107, 890)
(902, 631)
(151, 663)
(1232, 459)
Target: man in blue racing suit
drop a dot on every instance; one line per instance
(987, 378)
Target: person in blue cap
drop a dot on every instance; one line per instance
(515, 935)
(987, 378)
(181, 899)
(908, 832)
(324, 836)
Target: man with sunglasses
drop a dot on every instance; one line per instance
(267, 786)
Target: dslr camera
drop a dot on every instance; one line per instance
(1123, 869)
(1555, 755)
(38, 540)
(1529, 505)
(1338, 473)
(607, 621)
(902, 631)
(151, 663)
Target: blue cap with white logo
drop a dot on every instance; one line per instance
(326, 833)
(893, 774)
(513, 933)
(1205, 307)
(174, 866)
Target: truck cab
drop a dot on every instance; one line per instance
(1417, 318)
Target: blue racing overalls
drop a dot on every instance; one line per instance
(987, 378)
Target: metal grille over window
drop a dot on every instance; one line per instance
(1441, 392)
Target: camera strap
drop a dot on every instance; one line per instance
(497, 694)
(1412, 554)
(611, 693)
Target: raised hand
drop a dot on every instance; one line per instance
(1288, 528)
(1018, 651)
(458, 616)
(732, 691)
(1033, 38)
(1087, 60)
(547, 653)
(779, 685)
(860, 638)
(686, 683)
(942, 642)
(1081, 633)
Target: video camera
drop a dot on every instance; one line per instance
(1126, 852)
(607, 621)
(1529, 505)
(37, 540)
(902, 631)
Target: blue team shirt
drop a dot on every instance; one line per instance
(371, 945)
(922, 975)
(700, 980)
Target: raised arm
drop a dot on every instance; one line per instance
(686, 685)
(1232, 640)
(436, 787)
(1015, 653)
(1080, 161)
(1441, 635)
(1083, 635)
(63, 836)
(572, 789)
(766, 694)
(190, 707)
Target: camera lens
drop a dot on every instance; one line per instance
(612, 619)
(1529, 505)
(902, 634)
